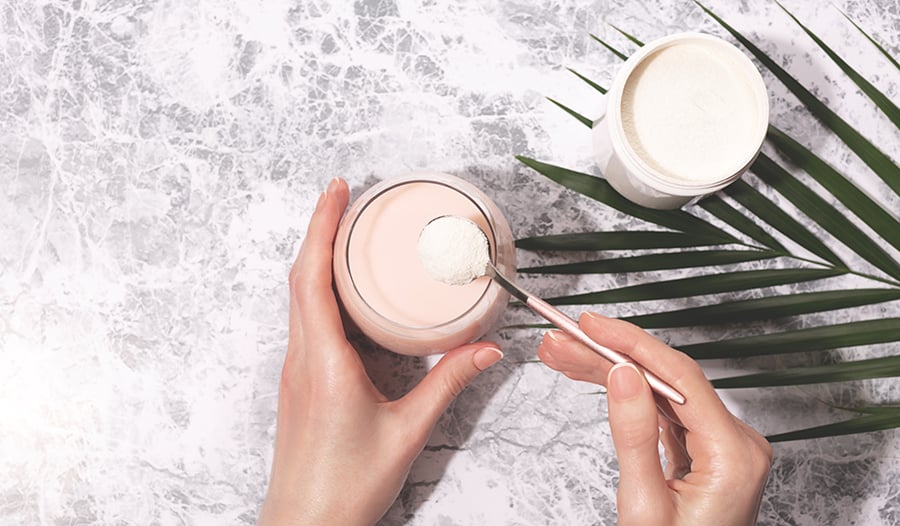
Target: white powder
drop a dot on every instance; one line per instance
(453, 250)
(690, 112)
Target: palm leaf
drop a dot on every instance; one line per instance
(629, 37)
(581, 118)
(886, 367)
(862, 424)
(850, 334)
(880, 100)
(616, 241)
(664, 261)
(757, 218)
(600, 190)
(589, 82)
(766, 210)
(863, 206)
(872, 40)
(727, 213)
(824, 214)
(698, 285)
(880, 163)
(765, 308)
(614, 51)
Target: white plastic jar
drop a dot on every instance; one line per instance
(685, 117)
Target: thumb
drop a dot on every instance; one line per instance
(448, 378)
(635, 431)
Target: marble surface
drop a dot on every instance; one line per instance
(159, 161)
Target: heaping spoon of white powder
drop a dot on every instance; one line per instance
(453, 250)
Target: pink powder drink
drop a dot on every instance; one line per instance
(383, 285)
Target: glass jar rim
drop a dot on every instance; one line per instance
(383, 188)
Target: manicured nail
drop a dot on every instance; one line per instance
(558, 336)
(593, 315)
(333, 185)
(625, 382)
(486, 357)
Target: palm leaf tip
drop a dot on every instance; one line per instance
(614, 51)
(588, 81)
(579, 117)
(630, 37)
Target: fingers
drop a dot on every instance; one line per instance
(562, 353)
(633, 422)
(672, 438)
(428, 400)
(313, 305)
(704, 411)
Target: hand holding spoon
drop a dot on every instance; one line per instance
(454, 250)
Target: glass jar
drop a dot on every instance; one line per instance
(382, 284)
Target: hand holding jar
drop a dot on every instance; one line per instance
(342, 449)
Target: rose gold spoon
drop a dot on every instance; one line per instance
(541, 307)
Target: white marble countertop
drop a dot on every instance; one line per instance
(159, 161)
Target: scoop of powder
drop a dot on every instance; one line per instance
(453, 250)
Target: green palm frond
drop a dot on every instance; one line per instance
(589, 82)
(748, 211)
(884, 52)
(878, 420)
(879, 163)
(839, 372)
(879, 98)
(664, 261)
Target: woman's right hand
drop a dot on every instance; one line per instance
(717, 465)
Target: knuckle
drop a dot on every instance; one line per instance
(761, 458)
(454, 384)
(635, 435)
(581, 376)
(753, 464)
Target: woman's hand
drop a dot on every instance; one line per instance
(717, 465)
(342, 449)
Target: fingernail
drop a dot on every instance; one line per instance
(333, 185)
(486, 357)
(558, 336)
(593, 315)
(625, 382)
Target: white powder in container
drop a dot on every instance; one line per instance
(453, 250)
(690, 112)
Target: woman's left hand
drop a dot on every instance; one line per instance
(342, 449)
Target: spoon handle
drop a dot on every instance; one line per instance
(570, 326)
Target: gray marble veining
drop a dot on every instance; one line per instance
(159, 161)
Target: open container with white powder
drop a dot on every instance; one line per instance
(382, 283)
(685, 117)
